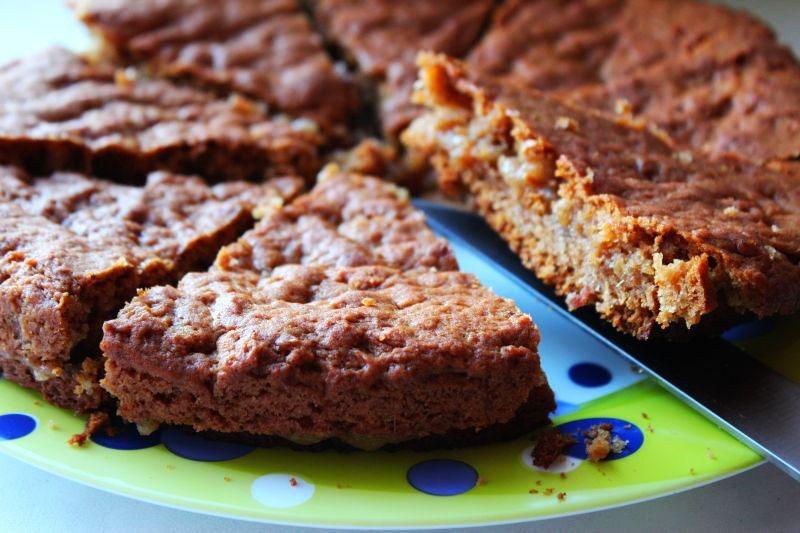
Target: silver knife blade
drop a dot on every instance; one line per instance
(741, 395)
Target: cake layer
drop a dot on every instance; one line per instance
(341, 318)
(266, 49)
(59, 112)
(656, 239)
(73, 249)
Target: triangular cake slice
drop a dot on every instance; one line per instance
(74, 249)
(266, 49)
(657, 239)
(340, 318)
(60, 112)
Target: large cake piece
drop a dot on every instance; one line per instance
(266, 49)
(339, 319)
(60, 112)
(657, 239)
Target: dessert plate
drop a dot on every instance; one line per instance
(670, 448)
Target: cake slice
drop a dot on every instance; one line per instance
(266, 49)
(382, 38)
(59, 112)
(74, 249)
(658, 240)
(339, 319)
(715, 79)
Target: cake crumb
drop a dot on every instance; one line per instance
(95, 423)
(533, 491)
(692, 472)
(548, 491)
(711, 454)
(169, 467)
(561, 496)
(227, 479)
(538, 482)
(562, 475)
(549, 447)
(52, 425)
(650, 428)
(342, 486)
(37, 403)
(293, 482)
(645, 416)
(480, 482)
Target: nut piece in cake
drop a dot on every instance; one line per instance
(340, 319)
(607, 211)
(59, 112)
(74, 249)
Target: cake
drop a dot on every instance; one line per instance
(339, 319)
(74, 249)
(382, 38)
(715, 79)
(659, 241)
(266, 49)
(60, 112)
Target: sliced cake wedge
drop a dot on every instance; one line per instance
(61, 112)
(339, 319)
(657, 239)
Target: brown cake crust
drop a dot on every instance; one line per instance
(338, 318)
(73, 249)
(715, 79)
(266, 49)
(610, 213)
(383, 37)
(58, 112)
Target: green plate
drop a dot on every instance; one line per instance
(670, 448)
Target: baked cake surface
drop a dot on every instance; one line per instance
(340, 317)
(383, 37)
(656, 239)
(73, 249)
(715, 79)
(266, 49)
(58, 112)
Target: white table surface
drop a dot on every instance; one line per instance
(761, 499)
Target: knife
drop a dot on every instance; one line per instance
(755, 404)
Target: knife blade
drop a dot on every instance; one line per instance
(755, 404)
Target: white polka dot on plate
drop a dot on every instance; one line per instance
(563, 464)
(281, 490)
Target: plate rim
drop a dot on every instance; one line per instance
(136, 496)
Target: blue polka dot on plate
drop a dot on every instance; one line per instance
(190, 445)
(589, 374)
(442, 477)
(622, 428)
(126, 438)
(16, 425)
(749, 330)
